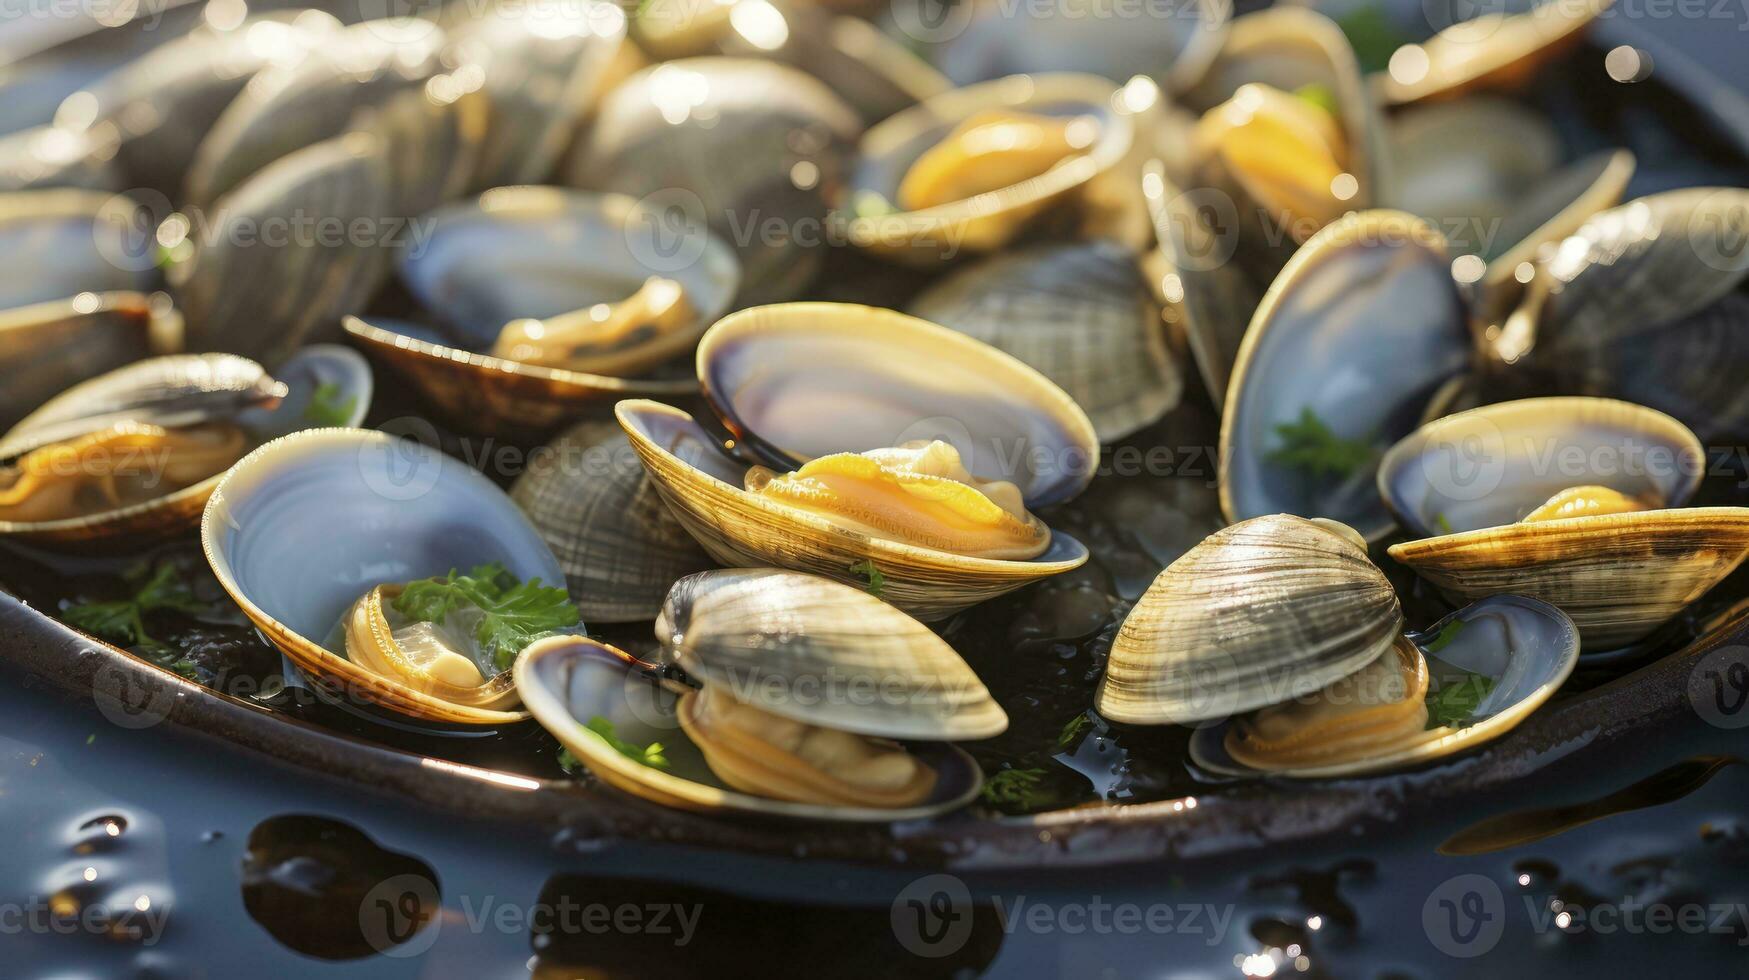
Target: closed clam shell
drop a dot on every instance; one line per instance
(1526, 648)
(312, 99)
(1619, 576)
(1468, 160)
(1209, 298)
(47, 348)
(1078, 313)
(703, 488)
(1637, 266)
(596, 508)
(568, 682)
(1496, 50)
(1656, 368)
(796, 381)
(823, 653)
(241, 293)
(432, 139)
(745, 147)
(1260, 612)
(64, 242)
(984, 222)
(369, 509)
(1360, 329)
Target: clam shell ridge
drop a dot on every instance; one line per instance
(824, 653)
(1260, 612)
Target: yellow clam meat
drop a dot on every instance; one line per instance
(121, 466)
(1286, 151)
(919, 494)
(1590, 501)
(1383, 704)
(758, 752)
(636, 333)
(430, 658)
(991, 150)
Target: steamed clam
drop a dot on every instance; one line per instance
(65, 242)
(138, 451)
(46, 348)
(805, 689)
(1580, 502)
(1498, 49)
(549, 300)
(327, 595)
(891, 442)
(969, 169)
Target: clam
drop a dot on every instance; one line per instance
(1356, 334)
(312, 99)
(918, 454)
(1287, 124)
(46, 348)
(1580, 502)
(747, 148)
(370, 511)
(551, 300)
(805, 689)
(1209, 299)
(67, 242)
(48, 156)
(1081, 315)
(1656, 368)
(1493, 51)
(432, 138)
(137, 452)
(1485, 668)
(544, 70)
(969, 169)
(1174, 45)
(598, 510)
(281, 260)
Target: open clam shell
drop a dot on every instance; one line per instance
(1497, 50)
(312, 99)
(567, 682)
(520, 252)
(368, 509)
(1619, 576)
(1078, 313)
(241, 294)
(823, 653)
(49, 347)
(1209, 298)
(65, 242)
(1261, 612)
(1362, 326)
(150, 389)
(985, 222)
(596, 507)
(796, 381)
(703, 488)
(740, 145)
(1525, 648)
(1173, 44)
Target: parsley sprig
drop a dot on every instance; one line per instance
(1310, 445)
(1453, 704)
(875, 582)
(513, 613)
(326, 407)
(123, 621)
(651, 755)
(1017, 789)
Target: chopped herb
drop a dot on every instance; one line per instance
(1310, 445)
(1447, 633)
(1020, 789)
(1320, 96)
(568, 762)
(516, 613)
(652, 756)
(123, 621)
(874, 581)
(1443, 524)
(1072, 731)
(326, 408)
(90, 738)
(1373, 36)
(1454, 704)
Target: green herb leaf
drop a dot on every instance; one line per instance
(568, 762)
(1447, 633)
(1310, 445)
(1320, 96)
(516, 613)
(1072, 731)
(122, 621)
(1443, 524)
(876, 582)
(1021, 789)
(1373, 36)
(326, 408)
(1454, 704)
(652, 756)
